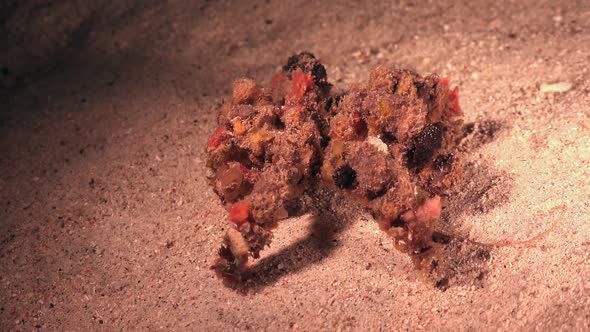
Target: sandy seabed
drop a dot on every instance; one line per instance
(108, 223)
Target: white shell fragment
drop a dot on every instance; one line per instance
(378, 143)
(556, 87)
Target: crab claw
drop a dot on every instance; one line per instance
(233, 256)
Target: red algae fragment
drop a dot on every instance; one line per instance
(301, 83)
(239, 212)
(217, 138)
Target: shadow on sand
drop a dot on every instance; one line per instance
(456, 260)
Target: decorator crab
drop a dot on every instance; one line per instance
(390, 145)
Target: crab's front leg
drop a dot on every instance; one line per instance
(240, 243)
(275, 196)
